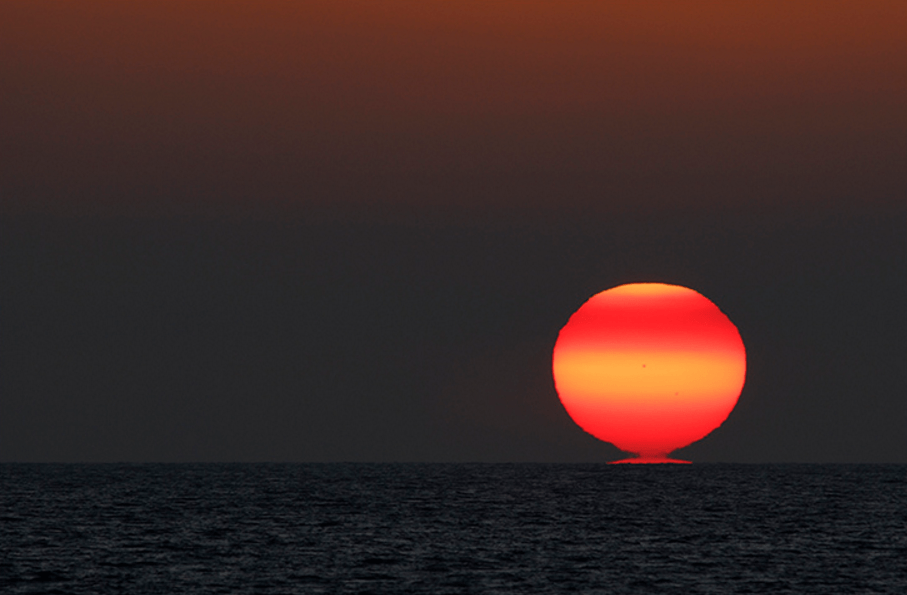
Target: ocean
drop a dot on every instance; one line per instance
(452, 528)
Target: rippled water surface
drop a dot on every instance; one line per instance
(452, 529)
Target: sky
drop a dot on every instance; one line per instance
(351, 230)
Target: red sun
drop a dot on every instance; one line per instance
(649, 368)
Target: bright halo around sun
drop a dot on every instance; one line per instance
(649, 368)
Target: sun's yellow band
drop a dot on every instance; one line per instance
(647, 376)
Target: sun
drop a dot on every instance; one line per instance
(649, 367)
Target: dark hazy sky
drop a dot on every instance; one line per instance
(351, 230)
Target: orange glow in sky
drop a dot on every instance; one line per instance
(649, 367)
(611, 106)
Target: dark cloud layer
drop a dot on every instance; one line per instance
(138, 340)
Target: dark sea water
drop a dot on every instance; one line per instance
(412, 528)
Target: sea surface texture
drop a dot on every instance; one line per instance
(411, 528)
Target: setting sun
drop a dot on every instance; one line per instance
(649, 367)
